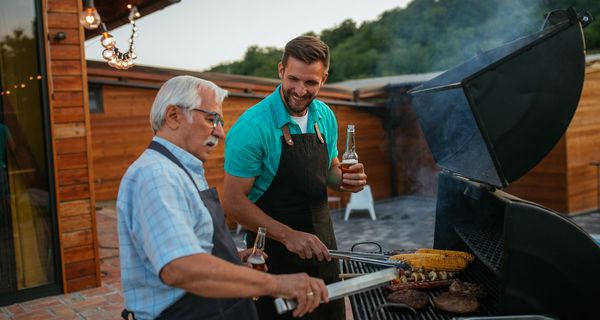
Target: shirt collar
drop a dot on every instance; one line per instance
(282, 117)
(187, 159)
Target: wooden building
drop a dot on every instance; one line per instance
(389, 139)
(567, 180)
(69, 129)
(121, 130)
(47, 201)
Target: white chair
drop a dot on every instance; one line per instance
(361, 200)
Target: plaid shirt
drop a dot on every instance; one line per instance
(160, 218)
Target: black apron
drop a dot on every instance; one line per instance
(191, 306)
(297, 197)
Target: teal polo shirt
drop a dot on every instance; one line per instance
(253, 144)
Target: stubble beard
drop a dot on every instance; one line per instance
(295, 109)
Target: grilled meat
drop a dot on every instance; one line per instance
(456, 302)
(423, 285)
(468, 288)
(412, 298)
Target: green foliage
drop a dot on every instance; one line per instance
(260, 62)
(427, 35)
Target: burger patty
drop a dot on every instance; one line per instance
(412, 298)
(468, 288)
(456, 302)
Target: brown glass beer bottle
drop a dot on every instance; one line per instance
(350, 157)
(256, 259)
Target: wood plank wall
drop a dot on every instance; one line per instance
(122, 132)
(71, 146)
(583, 137)
(565, 181)
(546, 183)
(119, 135)
(372, 147)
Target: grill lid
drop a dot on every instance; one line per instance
(496, 116)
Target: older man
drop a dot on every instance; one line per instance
(178, 260)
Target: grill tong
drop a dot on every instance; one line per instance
(345, 288)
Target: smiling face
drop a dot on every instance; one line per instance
(196, 132)
(300, 84)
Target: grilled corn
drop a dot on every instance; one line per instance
(467, 256)
(432, 261)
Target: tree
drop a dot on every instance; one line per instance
(427, 35)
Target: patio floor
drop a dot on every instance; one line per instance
(406, 222)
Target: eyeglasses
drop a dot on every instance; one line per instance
(216, 118)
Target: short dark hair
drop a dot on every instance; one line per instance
(307, 49)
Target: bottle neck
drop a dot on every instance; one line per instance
(259, 242)
(350, 146)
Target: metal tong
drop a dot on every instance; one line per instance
(345, 288)
(372, 258)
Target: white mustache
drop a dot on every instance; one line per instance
(211, 141)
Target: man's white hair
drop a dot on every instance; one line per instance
(182, 91)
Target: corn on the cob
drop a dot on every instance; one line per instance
(432, 261)
(467, 256)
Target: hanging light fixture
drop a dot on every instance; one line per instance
(114, 57)
(89, 17)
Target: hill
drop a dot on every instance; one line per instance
(427, 35)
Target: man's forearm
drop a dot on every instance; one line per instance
(208, 276)
(334, 176)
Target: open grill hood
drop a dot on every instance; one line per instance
(496, 116)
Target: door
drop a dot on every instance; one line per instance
(28, 237)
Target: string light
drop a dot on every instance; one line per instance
(21, 85)
(89, 17)
(114, 57)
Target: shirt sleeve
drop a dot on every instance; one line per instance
(244, 152)
(164, 221)
(333, 128)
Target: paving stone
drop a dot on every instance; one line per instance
(42, 303)
(402, 223)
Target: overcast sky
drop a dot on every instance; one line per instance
(196, 34)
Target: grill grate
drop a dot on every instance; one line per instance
(485, 242)
(367, 305)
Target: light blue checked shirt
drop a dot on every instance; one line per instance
(160, 218)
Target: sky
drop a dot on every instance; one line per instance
(196, 35)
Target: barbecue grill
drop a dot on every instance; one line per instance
(488, 122)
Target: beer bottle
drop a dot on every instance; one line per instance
(349, 158)
(256, 259)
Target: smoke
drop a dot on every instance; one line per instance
(437, 35)
(499, 22)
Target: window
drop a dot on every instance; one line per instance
(95, 98)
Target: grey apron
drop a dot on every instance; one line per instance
(191, 306)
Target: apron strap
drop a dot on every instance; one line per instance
(287, 136)
(127, 315)
(318, 131)
(165, 152)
